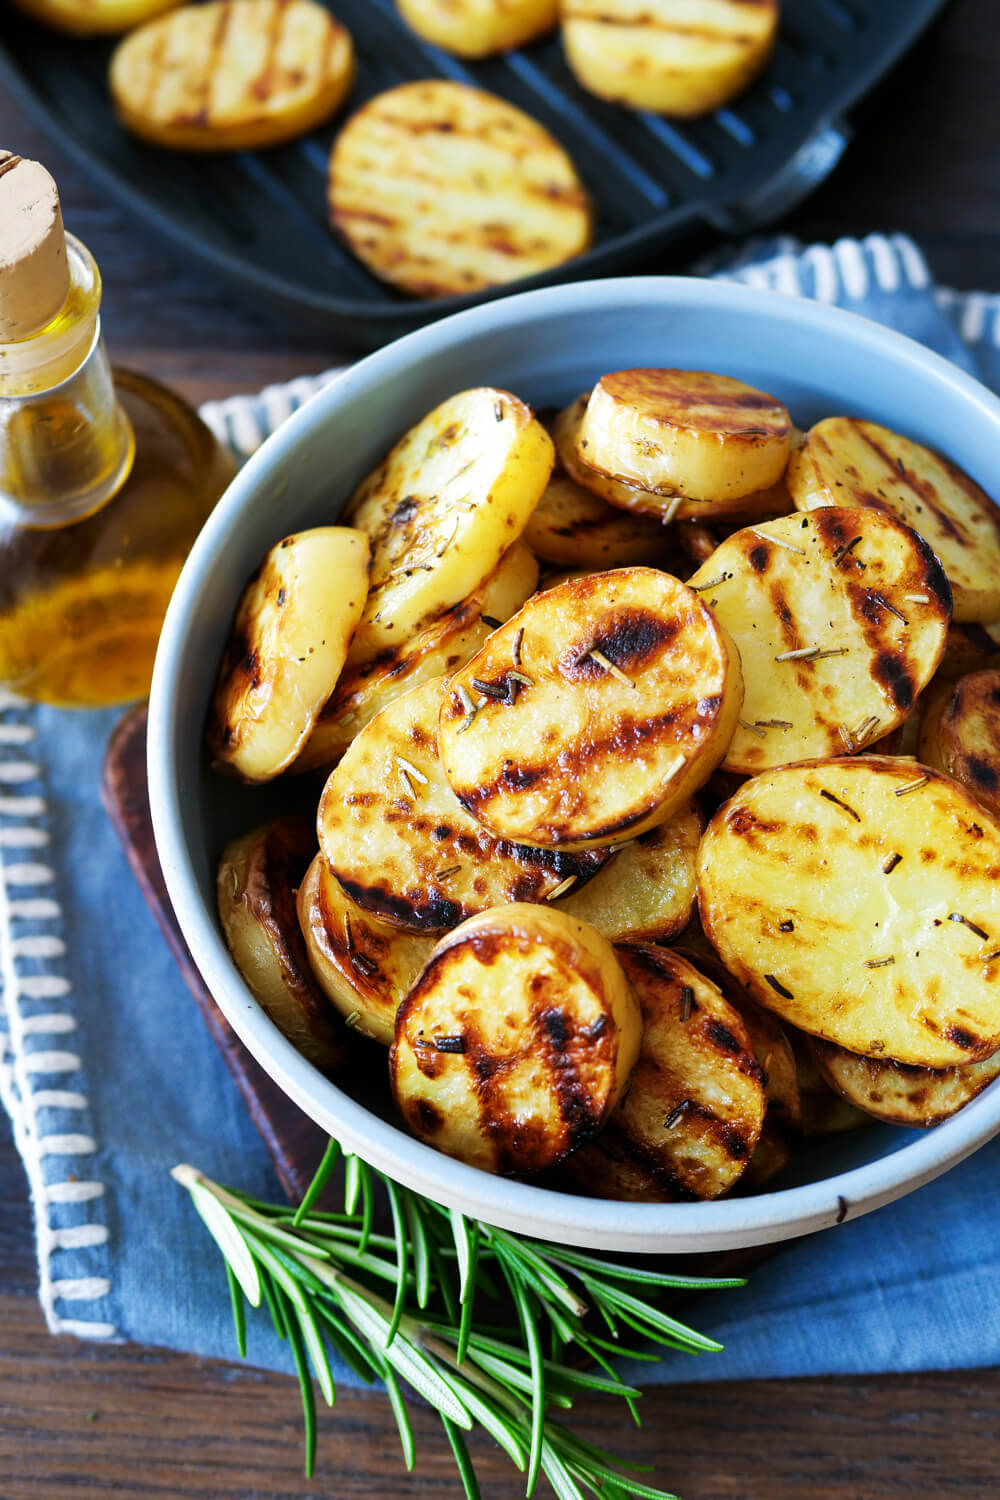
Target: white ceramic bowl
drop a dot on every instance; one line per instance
(546, 346)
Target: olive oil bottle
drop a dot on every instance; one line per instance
(105, 478)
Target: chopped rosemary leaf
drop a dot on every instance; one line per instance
(752, 728)
(956, 916)
(609, 666)
(561, 888)
(776, 541)
(911, 786)
(879, 963)
(891, 863)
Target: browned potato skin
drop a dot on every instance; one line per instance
(258, 877)
(825, 1111)
(898, 1093)
(968, 647)
(683, 677)
(960, 735)
(694, 1048)
(571, 527)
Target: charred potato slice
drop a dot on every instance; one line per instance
(365, 688)
(593, 713)
(860, 900)
(516, 1041)
(479, 28)
(574, 528)
(960, 735)
(94, 17)
(968, 648)
(255, 887)
(364, 966)
(840, 619)
(674, 57)
(289, 641)
(645, 894)
(844, 461)
(825, 1111)
(396, 837)
(232, 74)
(442, 190)
(691, 1116)
(442, 509)
(685, 433)
(900, 1094)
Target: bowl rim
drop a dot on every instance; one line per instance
(596, 1223)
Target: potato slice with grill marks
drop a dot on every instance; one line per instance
(516, 1041)
(289, 641)
(479, 28)
(968, 647)
(593, 713)
(365, 688)
(443, 507)
(687, 433)
(840, 618)
(825, 1111)
(860, 900)
(844, 461)
(396, 837)
(960, 735)
(364, 966)
(900, 1094)
(232, 74)
(693, 1110)
(675, 57)
(760, 506)
(442, 189)
(256, 896)
(645, 894)
(574, 528)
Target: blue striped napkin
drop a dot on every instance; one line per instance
(108, 1076)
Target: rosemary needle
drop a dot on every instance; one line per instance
(317, 1275)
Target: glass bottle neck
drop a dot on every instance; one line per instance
(66, 446)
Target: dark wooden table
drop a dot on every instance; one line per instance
(131, 1421)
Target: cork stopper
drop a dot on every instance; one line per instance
(34, 272)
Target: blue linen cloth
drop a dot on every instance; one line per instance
(109, 1077)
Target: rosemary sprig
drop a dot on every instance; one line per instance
(318, 1273)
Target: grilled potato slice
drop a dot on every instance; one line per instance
(443, 507)
(289, 642)
(365, 688)
(900, 1094)
(840, 619)
(960, 735)
(255, 887)
(442, 190)
(676, 57)
(967, 648)
(364, 966)
(94, 17)
(844, 461)
(478, 28)
(574, 528)
(232, 74)
(685, 433)
(516, 1041)
(396, 837)
(825, 1111)
(693, 1110)
(645, 894)
(593, 713)
(860, 900)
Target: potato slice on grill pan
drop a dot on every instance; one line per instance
(686, 433)
(94, 17)
(516, 1041)
(960, 735)
(443, 507)
(232, 74)
(593, 713)
(645, 894)
(900, 1094)
(844, 461)
(840, 619)
(365, 688)
(675, 57)
(479, 28)
(402, 846)
(364, 966)
(255, 888)
(693, 1110)
(442, 190)
(289, 641)
(859, 899)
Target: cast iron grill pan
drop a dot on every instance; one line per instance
(260, 217)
